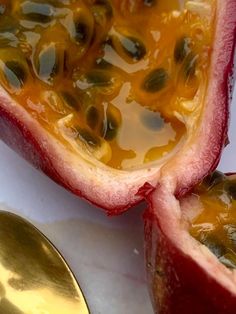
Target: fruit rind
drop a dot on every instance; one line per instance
(23, 134)
(183, 275)
(203, 149)
(117, 190)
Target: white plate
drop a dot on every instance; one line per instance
(106, 254)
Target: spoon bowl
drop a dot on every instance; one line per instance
(34, 278)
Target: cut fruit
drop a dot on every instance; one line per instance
(104, 105)
(191, 248)
(215, 225)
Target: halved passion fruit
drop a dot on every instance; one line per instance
(191, 248)
(105, 96)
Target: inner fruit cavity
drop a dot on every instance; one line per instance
(116, 79)
(215, 225)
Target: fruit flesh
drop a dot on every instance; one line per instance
(215, 223)
(99, 81)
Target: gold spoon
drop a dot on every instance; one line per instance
(34, 278)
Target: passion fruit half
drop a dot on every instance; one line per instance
(107, 96)
(191, 248)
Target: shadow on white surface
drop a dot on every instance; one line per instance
(106, 254)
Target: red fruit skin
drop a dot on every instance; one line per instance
(20, 138)
(178, 281)
(116, 193)
(221, 81)
(182, 278)
(17, 136)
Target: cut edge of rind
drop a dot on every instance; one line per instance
(183, 275)
(117, 191)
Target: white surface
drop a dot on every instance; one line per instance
(105, 253)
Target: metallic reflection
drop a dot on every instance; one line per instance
(33, 276)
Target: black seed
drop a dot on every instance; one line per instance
(229, 260)
(152, 120)
(231, 189)
(15, 74)
(214, 245)
(111, 128)
(88, 137)
(70, 100)
(48, 63)
(99, 78)
(149, 3)
(8, 25)
(8, 31)
(37, 12)
(92, 117)
(82, 32)
(65, 61)
(8, 39)
(105, 4)
(230, 230)
(182, 49)
(133, 47)
(2, 9)
(155, 81)
(102, 64)
(6, 7)
(108, 41)
(213, 179)
(36, 17)
(189, 65)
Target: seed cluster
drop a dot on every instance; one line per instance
(82, 67)
(215, 227)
